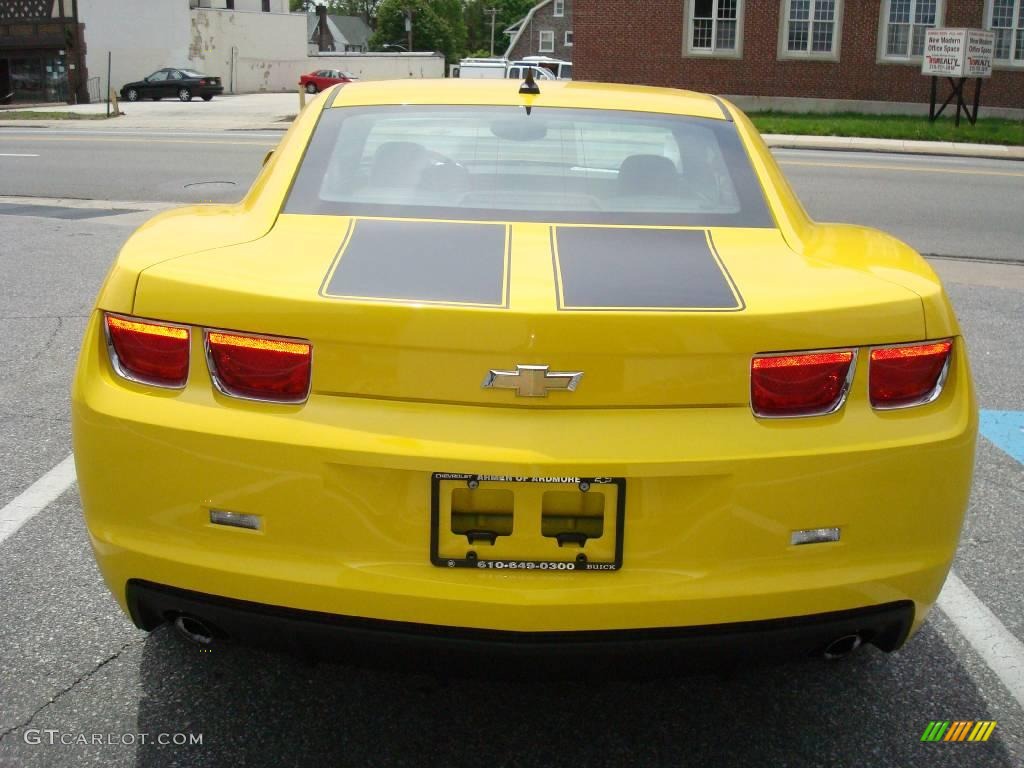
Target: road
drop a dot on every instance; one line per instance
(70, 662)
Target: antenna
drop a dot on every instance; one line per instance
(529, 84)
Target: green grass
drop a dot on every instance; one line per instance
(15, 114)
(989, 130)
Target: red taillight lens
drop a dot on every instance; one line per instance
(202, 82)
(258, 367)
(807, 384)
(907, 375)
(148, 352)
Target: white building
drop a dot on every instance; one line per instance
(252, 45)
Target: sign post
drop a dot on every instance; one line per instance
(958, 55)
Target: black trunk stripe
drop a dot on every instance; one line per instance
(633, 269)
(429, 262)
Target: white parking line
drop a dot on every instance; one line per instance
(1001, 650)
(36, 497)
(11, 154)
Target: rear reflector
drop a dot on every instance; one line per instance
(259, 367)
(148, 352)
(907, 375)
(804, 384)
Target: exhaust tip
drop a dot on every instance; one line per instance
(194, 630)
(843, 646)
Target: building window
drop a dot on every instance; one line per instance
(1006, 19)
(715, 26)
(229, 5)
(905, 22)
(568, 39)
(811, 27)
(559, 8)
(266, 6)
(547, 41)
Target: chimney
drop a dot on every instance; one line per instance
(325, 41)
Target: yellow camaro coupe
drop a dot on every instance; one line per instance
(477, 366)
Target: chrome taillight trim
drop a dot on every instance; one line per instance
(115, 360)
(837, 405)
(221, 387)
(936, 391)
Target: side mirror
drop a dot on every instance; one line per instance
(266, 157)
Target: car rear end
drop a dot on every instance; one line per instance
(497, 375)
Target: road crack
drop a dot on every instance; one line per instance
(60, 694)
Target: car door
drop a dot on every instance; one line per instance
(155, 84)
(173, 83)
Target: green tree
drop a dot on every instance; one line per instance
(365, 8)
(478, 22)
(431, 30)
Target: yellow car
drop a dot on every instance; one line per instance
(539, 366)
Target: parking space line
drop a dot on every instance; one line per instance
(15, 154)
(36, 497)
(1005, 429)
(997, 646)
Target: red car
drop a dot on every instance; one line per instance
(315, 82)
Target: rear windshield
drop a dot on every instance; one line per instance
(552, 165)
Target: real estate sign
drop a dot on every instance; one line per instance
(958, 53)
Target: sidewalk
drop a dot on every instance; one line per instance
(274, 112)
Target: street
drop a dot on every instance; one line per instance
(71, 662)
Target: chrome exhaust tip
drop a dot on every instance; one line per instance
(195, 630)
(842, 646)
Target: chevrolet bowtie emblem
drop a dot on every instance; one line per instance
(533, 380)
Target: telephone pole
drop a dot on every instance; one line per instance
(494, 13)
(408, 25)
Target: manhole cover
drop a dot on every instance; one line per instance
(211, 185)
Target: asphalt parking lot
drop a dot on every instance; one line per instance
(73, 668)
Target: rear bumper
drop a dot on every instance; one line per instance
(342, 486)
(478, 651)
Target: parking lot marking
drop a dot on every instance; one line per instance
(15, 154)
(1006, 430)
(909, 168)
(997, 646)
(36, 497)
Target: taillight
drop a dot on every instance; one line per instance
(802, 384)
(202, 82)
(908, 374)
(148, 352)
(259, 367)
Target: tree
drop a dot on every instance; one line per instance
(478, 23)
(431, 27)
(365, 8)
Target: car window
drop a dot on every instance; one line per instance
(177, 75)
(158, 76)
(553, 165)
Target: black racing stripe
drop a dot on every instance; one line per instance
(441, 262)
(721, 105)
(652, 269)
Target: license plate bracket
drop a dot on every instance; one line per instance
(498, 522)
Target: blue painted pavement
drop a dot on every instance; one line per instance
(1006, 430)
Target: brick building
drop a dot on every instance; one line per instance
(547, 30)
(863, 50)
(41, 52)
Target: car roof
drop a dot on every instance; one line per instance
(553, 93)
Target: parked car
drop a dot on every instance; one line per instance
(317, 81)
(572, 378)
(181, 84)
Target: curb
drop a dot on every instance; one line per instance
(895, 146)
